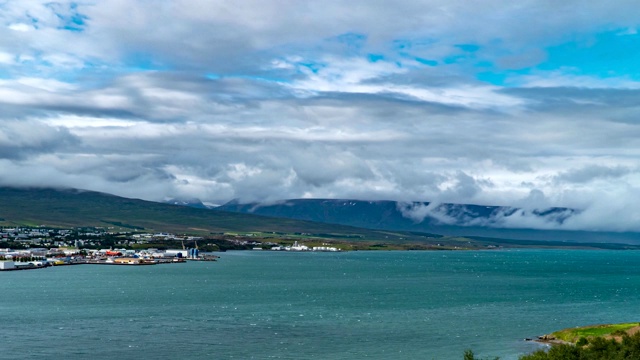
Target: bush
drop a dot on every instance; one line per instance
(582, 341)
(468, 355)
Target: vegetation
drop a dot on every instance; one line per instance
(598, 342)
(469, 355)
(574, 335)
(598, 348)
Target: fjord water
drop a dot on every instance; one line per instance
(351, 305)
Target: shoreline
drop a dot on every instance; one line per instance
(571, 336)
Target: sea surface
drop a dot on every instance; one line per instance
(350, 305)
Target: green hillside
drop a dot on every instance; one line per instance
(73, 208)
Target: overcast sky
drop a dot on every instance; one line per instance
(523, 103)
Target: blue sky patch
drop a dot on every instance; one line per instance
(604, 55)
(375, 57)
(139, 61)
(70, 17)
(312, 65)
(492, 77)
(468, 47)
(426, 61)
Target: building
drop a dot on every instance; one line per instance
(7, 265)
(126, 260)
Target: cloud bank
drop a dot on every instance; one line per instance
(531, 105)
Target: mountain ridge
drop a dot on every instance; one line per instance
(439, 218)
(64, 207)
(68, 207)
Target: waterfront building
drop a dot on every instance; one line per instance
(127, 260)
(7, 265)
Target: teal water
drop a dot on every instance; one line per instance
(352, 305)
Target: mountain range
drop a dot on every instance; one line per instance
(344, 220)
(438, 218)
(80, 208)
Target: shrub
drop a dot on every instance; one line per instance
(468, 355)
(582, 341)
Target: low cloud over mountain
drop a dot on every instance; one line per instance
(440, 218)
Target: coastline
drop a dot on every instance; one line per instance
(571, 336)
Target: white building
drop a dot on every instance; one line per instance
(6, 265)
(174, 253)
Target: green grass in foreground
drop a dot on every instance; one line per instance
(596, 342)
(574, 334)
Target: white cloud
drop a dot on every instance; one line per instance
(72, 121)
(20, 27)
(49, 85)
(6, 58)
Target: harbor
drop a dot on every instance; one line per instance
(31, 260)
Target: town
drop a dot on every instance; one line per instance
(33, 248)
(38, 247)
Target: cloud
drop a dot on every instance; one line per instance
(20, 140)
(418, 212)
(265, 101)
(493, 217)
(591, 173)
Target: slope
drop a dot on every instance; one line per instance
(72, 208)
(445, 219)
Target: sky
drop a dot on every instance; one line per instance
(518, 103)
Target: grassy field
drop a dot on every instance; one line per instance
(574, 334)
